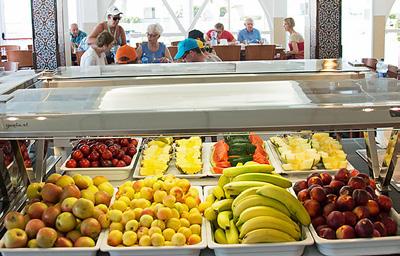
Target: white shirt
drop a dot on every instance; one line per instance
(91, 58)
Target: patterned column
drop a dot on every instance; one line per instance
(326, 29)
(44, 19)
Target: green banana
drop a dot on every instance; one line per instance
(210, 214)
(223, 180)
(219, 193)
(219, 236)
(245, 193)
(256, 211)
(266, 235)
(271, 223)
(235, 171)
(223, 219)
(265, 177)
(232, 234)
(222, 205)
(235, 188)
(291, 202)
(257, 200)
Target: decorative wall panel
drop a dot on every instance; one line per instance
(329, 14)
(44, 21)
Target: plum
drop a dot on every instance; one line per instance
(345, 232)
(390, 225)
(357, 183)
(328, 189)
(385, 203)
(325, 177)
(364, 228)
(376, 233)
(303, 195)
(299, 186)
(380, 227)
(327, 233)
(315, 180)
(313, 174)
(318, 221)
(346, 190)
(321, 227)
(345, 203)
(361, 212)
(342, 175)
(335, 219)
(328, 208)
(360, 197)
(313, 207)
(350, 218)
(331, 198)
(336, 185)
(373, 207)
(318, 194)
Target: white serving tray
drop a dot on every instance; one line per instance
(112, 173)
(187, 250)
(360, 246)
(265, 249)
(64, 251)
(205, 171)
(277, 163)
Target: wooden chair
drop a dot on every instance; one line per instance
(370, 63)
(23, 57)
(260, 52)
(78, 57)
(228, 52)
(9, 65)
(173, 50)
(393, 72)
(175, 43)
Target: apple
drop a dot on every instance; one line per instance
(84, 241)
(83, 208)
(73, 235)
(63, 242)
(35, 210)
(106, 155)
(14, 219)
(90, 227)
(84, 163)
(15, 238)
(46, 237)
(120, 163)
(65, 222)
(85, 149)
(70, 191)
(67, 203)
(33, 227)
(77, 155)
(71, 163)
(102, 197)
(94, 156)
(53, 178)
(50, 215)
(51, 193)
(34, 190)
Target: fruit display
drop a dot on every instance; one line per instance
(103, 153)
(156, 157)
(64, 211)
(238, 149)
(319, 152)
(155, 211)
(9, 155)
(188, 155)
(345, 205)
(252, 205)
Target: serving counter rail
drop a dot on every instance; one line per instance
(173, 73)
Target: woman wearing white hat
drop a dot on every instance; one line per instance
(111, 25)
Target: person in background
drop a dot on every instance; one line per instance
(126, 55)
(95, 55)
(76, 35)
(111, 25)
(296, 41)
(153, 51)
(221, 34)
(209, 53)
(196, 34)
(189, 51)
(249, 34)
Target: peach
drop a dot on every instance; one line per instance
(335, 219)
(177, 192)
(331, 198)
(345, 232)
(342, 175)
(146, 193)
(164, 213)
(357, 182)
(129, 238)
(99, 180)
(193, 239)
(104, 220)
(373, 208)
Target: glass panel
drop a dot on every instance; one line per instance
(393, 20)
(183, 12)
(298, 10)
(215, 11)
(357, 23)
(392, 38)
(18, 21)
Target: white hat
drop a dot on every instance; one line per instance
(114, 11)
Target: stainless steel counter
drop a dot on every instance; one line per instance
(22, 79)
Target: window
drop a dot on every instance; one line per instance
(17, 22)
(178, 17)
(392, 37)
(357, 29)
(298, 10)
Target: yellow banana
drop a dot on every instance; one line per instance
(210, 198)
(284, 196)
(210, 214)
(266, 235)
(232, 234)
(257, 211)
(235, 171)
(271, 223)
(219, 236)
(257, 200)
(265, 177)
(245, 193)
(223, 180)
(222, 205)
(219, 193)
(235, 188)
(223, 219)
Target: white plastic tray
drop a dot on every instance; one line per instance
(187, 250)
(277, 163)
(205, 171)
(265, 249)
(112, 173)
(64, 251)
(360, 246)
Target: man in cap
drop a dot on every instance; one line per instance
(189, 51)
(126, 55)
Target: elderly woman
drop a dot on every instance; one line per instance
(153, 51)
(296, 41)
(111, 25)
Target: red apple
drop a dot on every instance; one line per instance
(342, 175)
(121, 163)
(106, 155)
(85, 149)
(84, 163)
(131, 151)
(95, 164)
(385, 203)
(77, 155)
(93, 156)
(71, 163)
(127, 159)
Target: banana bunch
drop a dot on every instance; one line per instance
(253, 205)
